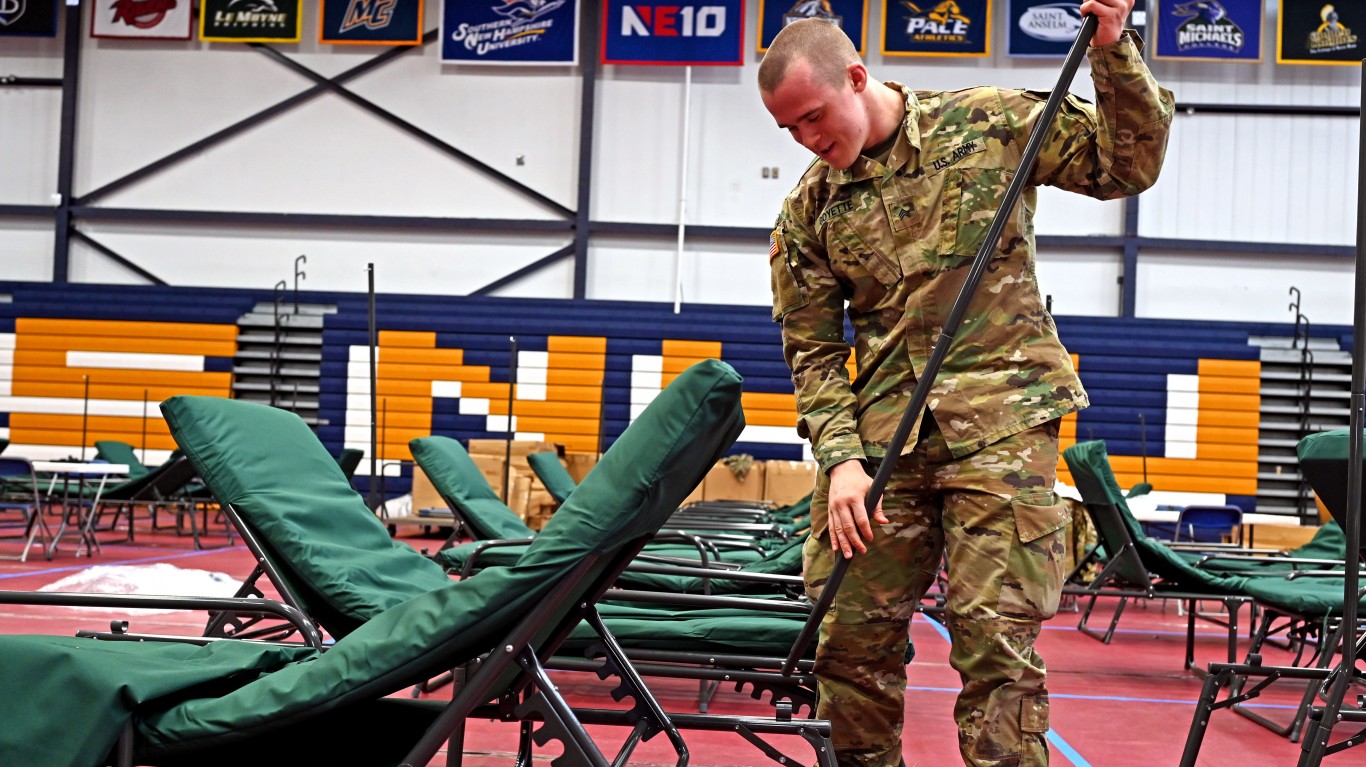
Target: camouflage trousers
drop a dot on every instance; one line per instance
(995, 515)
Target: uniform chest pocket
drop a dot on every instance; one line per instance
(867, 273)
(971, 199)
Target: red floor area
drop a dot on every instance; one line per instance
(1129, 703)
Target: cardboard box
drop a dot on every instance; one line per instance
(721, 484)
(579, 464)
(788, 481)
(520, 448)
(424, 495)
(491, 466)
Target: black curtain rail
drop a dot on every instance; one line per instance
(27, 211)
(15, 81)
(1280, 110)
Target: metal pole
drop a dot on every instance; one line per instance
(511, 432)
(682, 189)
(85, 415)
(951, 323)
(144, 427)
(1316, 737)
(588, 57)
(66, 153)
(374, 402)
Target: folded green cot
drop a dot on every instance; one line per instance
(230, 701)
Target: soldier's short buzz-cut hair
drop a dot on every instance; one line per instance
(823, 46)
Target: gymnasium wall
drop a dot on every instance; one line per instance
(584, 370)
(1230, 178)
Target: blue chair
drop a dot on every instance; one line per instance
(1209, 524)
(21, 506)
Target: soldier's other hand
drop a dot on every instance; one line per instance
(849, 522)
(1110, 17)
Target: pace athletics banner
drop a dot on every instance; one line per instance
(936, 28)
(849, 15)
(370, 22)
(1042, 27)
(28, 18)
(143, 19)
(235, 21)
(510, 31)
(1315, 32)
(677, 32)
(1209, 30)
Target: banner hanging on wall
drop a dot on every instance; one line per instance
(1209, 30)
(1315, 32)
(936, 28)
(250, 21)
(510, 31)
(849, 15)
(1042, 27)
(676, 32)
(143, 19)
(371, 22)
(28, 18)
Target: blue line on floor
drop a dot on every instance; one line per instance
(1065, 749)
(92, 563)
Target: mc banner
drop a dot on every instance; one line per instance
(370, 22)
(677, 32)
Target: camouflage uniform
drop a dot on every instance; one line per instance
(890, 245)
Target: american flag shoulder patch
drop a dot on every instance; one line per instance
(773, 245)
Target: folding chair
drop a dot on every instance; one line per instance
(1140, 567)
(1206, 524)
(114, 451)
(155, 488)
(228, 702)
(19, 497)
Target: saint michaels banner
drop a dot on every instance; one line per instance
(371, 22)
(510, 31)
(849, 15)
(675, 32)
(230, 21)
(1315, 32)
(1209, 30)
(936, 28)
(28, 18)
(144, 19)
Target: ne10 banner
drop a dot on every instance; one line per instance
(936, 28)
(1209, 30)
(676, 32)
(849, 15)
(1315, 32)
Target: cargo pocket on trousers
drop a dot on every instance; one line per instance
(1034, 714)
(1038, 567)
(1039, 515)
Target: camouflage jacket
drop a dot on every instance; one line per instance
(891, 246)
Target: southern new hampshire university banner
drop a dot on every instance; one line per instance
(936, 28)
(28, 18)
(1315, 32)
(388, 22)
(674, 32)
(510, 31)
(143, 19)
(849, 15)
(231, 21)
(1209, 30)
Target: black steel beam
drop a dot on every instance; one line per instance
(115, 257)
(66, 150)
(428, 138)
(588, 109)
(15, 81)
(27, 211)
(1244, 248)
(1280, 110)
(534, 266)
(320, 220)
(1128, 274)
(248, 122)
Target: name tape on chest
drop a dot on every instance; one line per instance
(834, 211)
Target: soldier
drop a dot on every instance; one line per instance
(882, 228)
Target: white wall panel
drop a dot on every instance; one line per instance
(1081, 282)
(26, 249)
(1247, 288)
(624, 269)
(30, 123)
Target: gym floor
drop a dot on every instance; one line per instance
(1126, 704)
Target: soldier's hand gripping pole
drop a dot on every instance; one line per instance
(955, 318)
